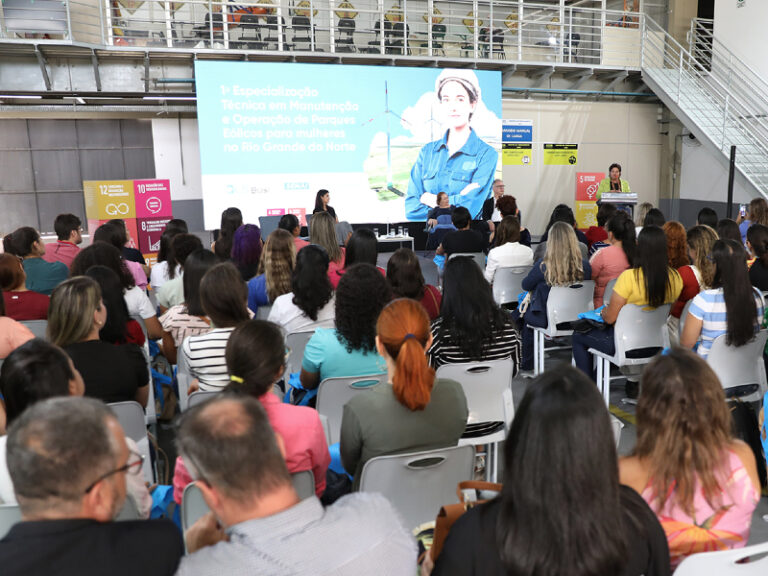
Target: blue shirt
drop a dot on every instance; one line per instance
(44, 276)
(434, 171)
(257, 292)
(709, 307)
(327, 356)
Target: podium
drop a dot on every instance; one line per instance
(622, 201)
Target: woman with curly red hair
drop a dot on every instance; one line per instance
(413, 411)
(677, 252)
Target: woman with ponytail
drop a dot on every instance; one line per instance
(607, 263)
(413, 411)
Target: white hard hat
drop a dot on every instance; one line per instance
(466, 78)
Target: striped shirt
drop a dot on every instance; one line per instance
(206, 358)
(181, 325)
(504, 342)
(360, 534)
(709, 307)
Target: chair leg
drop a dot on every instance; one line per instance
(599, 363)
(606, 370)
(492, 462)
(535, 352)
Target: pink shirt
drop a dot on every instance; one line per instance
(302, 434)
(61, 251)
(12, 335)
(299, 243)
(334, 267)
(137, 271)
(607, 263)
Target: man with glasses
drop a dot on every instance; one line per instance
(68, 460)
(257, 523)
(69, 230)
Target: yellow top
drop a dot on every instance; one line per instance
(630, 285)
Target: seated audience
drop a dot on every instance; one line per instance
(114, 234)
(20, 302)
(701, 240)
(654, 217)
(223, 296)
(678, 256)
(42, 276)
(246, 250)
(443, 208)
(757, 242)
(439, 221)
(322, 232)
(172, 292)
(258, 525)
(69, 233)
(471, 327)
(231, 220)
(310, 304)
(640, 211)
(732, 306)
(349, 349)
(607, 263)
(701, 482)
(407, 281)
(590, 524)
(69, 460)
(166, 268)
(139, 305)
(757, 214)
(413, 411)
(343, 232)
(34, 372)
(463, 240)
(561, 213)
(12, 333)
(111, 373)
(119, 328)
(727, 229)
(274, 272)
(507, 206)
(290, 223)
(490, 212)
(707, 217)
(254, 375)
(598, 234)
(508, 251)
(187, 319)
(650, 282)
(562, 265)
(361, 248)
(127, 251)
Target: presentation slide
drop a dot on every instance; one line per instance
(383, 140)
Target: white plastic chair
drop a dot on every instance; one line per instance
(334, 393)
(296, 342)
(418, 484)
(304, 483)
(608, 291)
(200, 396)
(508, 283)
(183, 377)
(10, 514)
(741, 369)
(564, 305)
(262, 312)
(37, 327)
(639, 334)
(478, 257)
(488, 389)
(726, 563)
(130, 414)
(617, 425)
(683, 316)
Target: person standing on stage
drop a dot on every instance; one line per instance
(321, 204)
(459, 163)
(613, 183)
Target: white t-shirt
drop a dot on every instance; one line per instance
(159, 275)
(292, 318)
(507, 255)
(138, 303)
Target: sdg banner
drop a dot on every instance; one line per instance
(383, 140)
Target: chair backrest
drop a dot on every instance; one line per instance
(262, 312)
(683, 316)
(346, 25)
(333, 393)
(508, 283)
(608, 291)
(741, 366)
(304, 483)
(37, 327)
(183, 377)
(268, 224)
(616, 425)
(418, 484)
(726, 563)
(478, 257)
(565, 303)
(641, 332)
(130, 414)
(483, 383)
(200, 396)
(296, 342)
(10, 514)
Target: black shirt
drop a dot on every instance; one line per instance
(86, 547)
(470, 548)
(461, 241)
(134, 255)
(328, 209)
(758, 275)
(112, 373)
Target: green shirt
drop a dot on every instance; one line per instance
(44, 276)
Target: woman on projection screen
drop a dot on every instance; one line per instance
(460, 163)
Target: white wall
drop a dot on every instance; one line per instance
(606, 132)
(742, 30)
(177, 156)
(703, 177)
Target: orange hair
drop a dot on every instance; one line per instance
(677, 245)
(403, 330)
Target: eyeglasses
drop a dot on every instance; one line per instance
(132, 467)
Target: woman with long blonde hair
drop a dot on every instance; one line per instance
(322, 231)
(562, 265)
(276, 265)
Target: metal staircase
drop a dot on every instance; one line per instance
(716, 95)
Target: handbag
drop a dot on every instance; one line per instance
(468, 498)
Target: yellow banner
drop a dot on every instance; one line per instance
(586, 214)
(517, 154)
(560, 154)
(107, 199)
